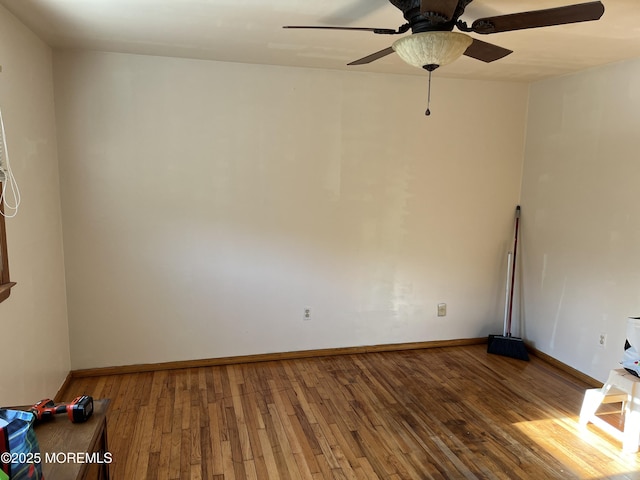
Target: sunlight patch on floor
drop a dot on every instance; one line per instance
(576, 446)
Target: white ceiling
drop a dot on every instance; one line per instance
(249, 31)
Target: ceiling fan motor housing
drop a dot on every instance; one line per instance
(405, 5)
(431, 15)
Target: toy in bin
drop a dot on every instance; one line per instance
(78, 411)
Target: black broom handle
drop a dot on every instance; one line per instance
(513, 271)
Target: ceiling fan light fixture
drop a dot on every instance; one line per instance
(432, 48)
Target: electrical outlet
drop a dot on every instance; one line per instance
(602, 340)
(307, 313)
(442, 309)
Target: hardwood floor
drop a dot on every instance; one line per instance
(442, 413)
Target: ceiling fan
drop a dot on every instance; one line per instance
(433, 43)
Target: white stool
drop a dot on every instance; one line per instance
(622, 387)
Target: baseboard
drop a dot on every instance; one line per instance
(565, 368)
(60, 395)
(266, 357)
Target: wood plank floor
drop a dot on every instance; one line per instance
(443, 413)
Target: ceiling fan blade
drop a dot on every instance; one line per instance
(383, 31)
(487, 52)
(373, 57)
(445, 8)
(583, 12)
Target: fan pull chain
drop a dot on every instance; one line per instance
(428, 112)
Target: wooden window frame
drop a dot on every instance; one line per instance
(5, 283)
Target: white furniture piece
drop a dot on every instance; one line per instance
(621, 386)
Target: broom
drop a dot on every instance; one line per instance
(505, 344)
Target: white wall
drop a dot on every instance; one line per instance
(581, 215)
(33, 321)
(206, 204)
